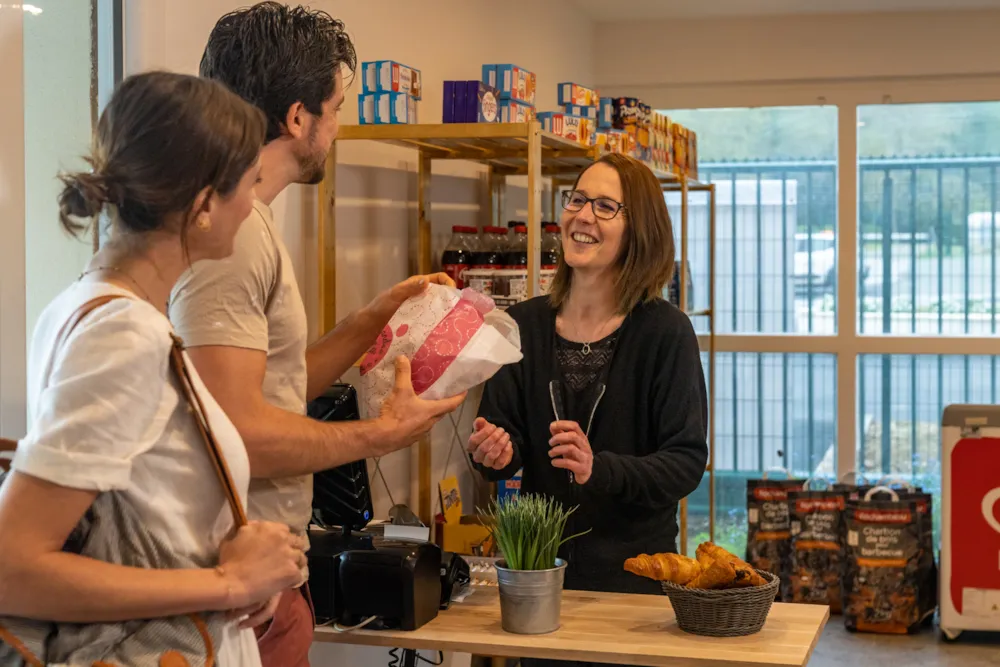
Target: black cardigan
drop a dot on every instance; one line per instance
(648, 436)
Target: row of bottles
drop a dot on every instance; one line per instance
(496, 261)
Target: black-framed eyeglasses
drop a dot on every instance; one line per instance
(603, 207)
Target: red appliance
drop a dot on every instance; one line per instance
(970, 519)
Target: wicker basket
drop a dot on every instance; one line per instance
(730, 613)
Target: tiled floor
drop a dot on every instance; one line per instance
(839, 648)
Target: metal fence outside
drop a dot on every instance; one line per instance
(927, 265)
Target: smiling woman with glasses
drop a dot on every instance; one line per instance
(607, 410)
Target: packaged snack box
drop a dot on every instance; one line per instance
(472, 102)
(514, 111)
(512, 81)
(606, 113)
(574, 93)
(574, 128)
(613, 141)
(482, 103)
(366, 109)
(692, 154)
(490, 75)
(448, 103)
(461, 101)
(384, 76)
(395, 109)
(579, 110)
(626, 112)
(680, 150)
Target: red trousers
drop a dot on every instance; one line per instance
(285, 641)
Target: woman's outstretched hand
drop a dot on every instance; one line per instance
(490, 445)
(570, 449)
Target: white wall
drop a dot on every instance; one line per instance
(448, 39)
(12, 350)
(46, 116)
(705, 60)
(56, 132)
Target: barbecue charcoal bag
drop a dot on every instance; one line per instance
(817, 554)
(769, 537)
(882, 578)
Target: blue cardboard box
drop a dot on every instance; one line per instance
(512, 81)
(366, 108)
(513, 111)
(490, 75)
(574, 93)
(509, 488)
(395, 109)
(389, 76)
(606, 114)
(580, 110)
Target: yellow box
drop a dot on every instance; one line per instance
(465, 536)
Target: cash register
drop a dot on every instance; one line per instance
(356, 575)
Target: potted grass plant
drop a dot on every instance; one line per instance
(528, 529)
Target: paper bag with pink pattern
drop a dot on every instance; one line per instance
(454, 341)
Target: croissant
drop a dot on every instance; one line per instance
(708, 553)
(720, 575)
(664, 567)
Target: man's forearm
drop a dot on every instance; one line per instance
(284, 444)
(335, 353)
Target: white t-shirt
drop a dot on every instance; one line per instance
(108, 416)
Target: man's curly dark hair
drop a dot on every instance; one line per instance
(273, 56)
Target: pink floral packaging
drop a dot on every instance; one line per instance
(454, 340)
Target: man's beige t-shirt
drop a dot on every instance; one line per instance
(251, 300)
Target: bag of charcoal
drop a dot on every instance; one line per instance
(769, 537)
(817, 555)
(882, 577)
(928, 564)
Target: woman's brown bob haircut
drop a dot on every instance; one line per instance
(645, 262)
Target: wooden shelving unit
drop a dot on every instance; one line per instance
(509, 149)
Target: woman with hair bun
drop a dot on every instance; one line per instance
(174, 164)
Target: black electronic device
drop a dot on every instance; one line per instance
(355, 575)
(342, 495)
(455, 576)
(325, 548)
(398, 582)
(342, 505)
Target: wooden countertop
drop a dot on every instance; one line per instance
(609, 628)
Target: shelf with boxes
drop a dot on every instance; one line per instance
(506, 94)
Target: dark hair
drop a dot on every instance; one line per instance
(645, 261)
(162, 139)
(273, 56)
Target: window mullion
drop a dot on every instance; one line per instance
(847, 287)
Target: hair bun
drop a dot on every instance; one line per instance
(84, 196)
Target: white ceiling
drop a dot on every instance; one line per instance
(626, 10)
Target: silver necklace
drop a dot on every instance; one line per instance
(114, 269)
(586, 346)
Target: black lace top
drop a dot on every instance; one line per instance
(581, 370)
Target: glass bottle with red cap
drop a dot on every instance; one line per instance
(517, 255)
(458, 255)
